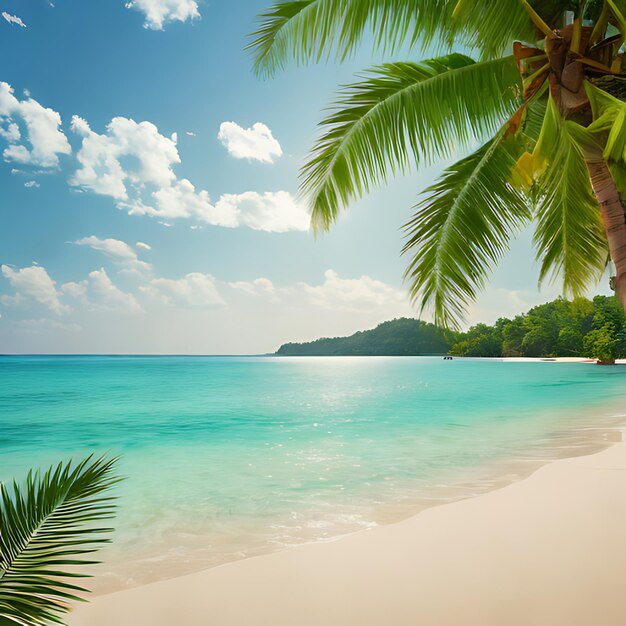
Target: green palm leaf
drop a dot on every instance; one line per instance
(492, 26)
(307, 30)
(404, 112)
(569, 236)
(45, 527)
(462, 228)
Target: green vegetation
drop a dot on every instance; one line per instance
(548, 112)
(590, 328)
(401, 337)
(47, 528)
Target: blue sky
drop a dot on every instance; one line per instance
(214, 256)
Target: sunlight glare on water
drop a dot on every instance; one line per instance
(226, 457)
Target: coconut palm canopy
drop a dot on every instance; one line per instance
(541, 95)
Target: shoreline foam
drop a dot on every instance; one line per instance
(569, 441)
(547, 550)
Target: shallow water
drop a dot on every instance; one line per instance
(227, 457)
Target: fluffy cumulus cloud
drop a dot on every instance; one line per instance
(260, 286)
(354, 294)
(159, 12)
(13, 19)
(33, 284)
(98, 292)
(334, 293)
(43, 131)
(276, 212)
(181, 200)
(119, 251)
(131, 319)
(193, 290)
(256, 143)
(133, 163)
(10, 131)
(151, 153)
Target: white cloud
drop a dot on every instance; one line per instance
(193, 290)
(182, 200)
(260, 286)
(193, 306)
(132, 163)
(256, 143)
(33, 284)
(11, 132)
(159, 12)
(31, 172)
(97, 291)
(190, 134)
(145, 246)
(77, 290)
(274, 212)
(13, 19)
(347, 295)
(118, 250)
(354, 294)
(43, 132)
(152, 156)
(30, 184)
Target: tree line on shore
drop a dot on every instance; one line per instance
(581, 327)
(586, 328)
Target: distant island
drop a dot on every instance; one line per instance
(581, 327)
(399, 337)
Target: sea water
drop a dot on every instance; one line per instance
(228, 457)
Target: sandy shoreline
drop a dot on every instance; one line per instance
(557, 359)
(548, 550)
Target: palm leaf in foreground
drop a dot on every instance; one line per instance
(312, 29)
(569, 237)
(402, 113)
(46, 526)
(462, 228)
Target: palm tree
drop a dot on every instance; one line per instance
(538, 106)
(49, 525)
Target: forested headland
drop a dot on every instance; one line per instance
(581, 327)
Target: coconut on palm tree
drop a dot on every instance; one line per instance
(537, 102)
(49, 528)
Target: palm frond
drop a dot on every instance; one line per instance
(609, 123)
(400, 113)
(309, 30)
(51, 524)
(569, 235)
(491, 27)
(535, 113)
(462, 228)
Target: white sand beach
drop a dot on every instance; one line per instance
(546, 551)
(558, 359)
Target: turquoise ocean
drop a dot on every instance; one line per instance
(228, 457)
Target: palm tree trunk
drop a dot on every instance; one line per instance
(612, 211)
